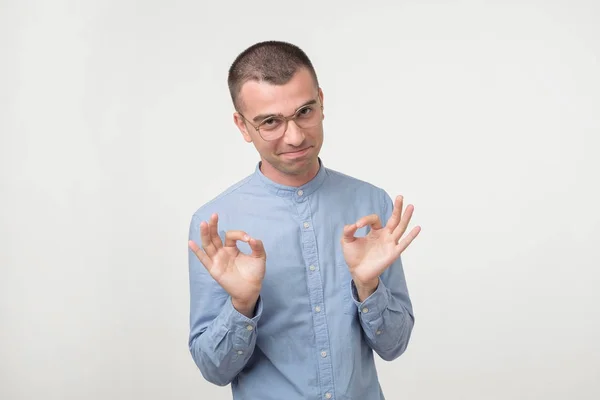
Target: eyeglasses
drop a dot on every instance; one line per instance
(273, 127)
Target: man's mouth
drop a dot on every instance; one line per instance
(296, 153)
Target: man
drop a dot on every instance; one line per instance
(295, 271)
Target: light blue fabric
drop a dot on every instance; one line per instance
(310, 337)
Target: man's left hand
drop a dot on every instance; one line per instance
(369, 256)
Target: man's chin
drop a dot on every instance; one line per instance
(297, 166)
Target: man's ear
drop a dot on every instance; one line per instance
(240, 122)
(321, 100)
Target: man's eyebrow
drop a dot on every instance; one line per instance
(262, 117)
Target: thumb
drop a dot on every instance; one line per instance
(258, 249)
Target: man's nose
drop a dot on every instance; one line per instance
(293, 134)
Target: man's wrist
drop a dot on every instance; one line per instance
(245, 307)
(365, 289)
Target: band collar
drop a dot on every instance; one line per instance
(288, 191)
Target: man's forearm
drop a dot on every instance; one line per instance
(220, 359)
(386, 323)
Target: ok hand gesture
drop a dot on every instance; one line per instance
(239, 274)
(368, 257)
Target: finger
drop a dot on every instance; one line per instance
(207, 243)
(392, 223)
(258, 249)
(233, 236)
(372, 220)
(214, 231)
(401, 228)
(204, 259)
(349, 231)
(404, 243)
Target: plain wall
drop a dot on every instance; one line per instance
(116, 125)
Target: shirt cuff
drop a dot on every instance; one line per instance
(243, 327)
(372, 308)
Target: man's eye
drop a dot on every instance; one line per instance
(270, 124)
(305, 111)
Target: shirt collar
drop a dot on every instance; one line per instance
(286, 191)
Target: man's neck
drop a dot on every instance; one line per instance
(288, 179)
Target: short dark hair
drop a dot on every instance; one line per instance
(270, 61)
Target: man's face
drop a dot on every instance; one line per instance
(295, 154)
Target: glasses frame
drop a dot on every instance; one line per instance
(285, 119)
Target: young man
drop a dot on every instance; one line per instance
(295, 271)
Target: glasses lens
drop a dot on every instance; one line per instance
(309, 117)
(272, 128)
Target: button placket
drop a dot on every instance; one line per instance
(315, 292)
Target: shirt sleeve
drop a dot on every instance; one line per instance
(221, 339)
(387, 316)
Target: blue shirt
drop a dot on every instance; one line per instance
(310, 337)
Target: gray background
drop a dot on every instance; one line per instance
(116, 125)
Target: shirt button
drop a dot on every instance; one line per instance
(365, 310)
(249, 327)
(300, 192)
(306, 224)
(240, 352)
(327, 395)
(323, 354)
(312, 267)
(318, 309)
(378, 333)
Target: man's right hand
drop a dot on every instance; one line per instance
(239, 274)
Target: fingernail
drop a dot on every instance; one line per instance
(246, 238)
